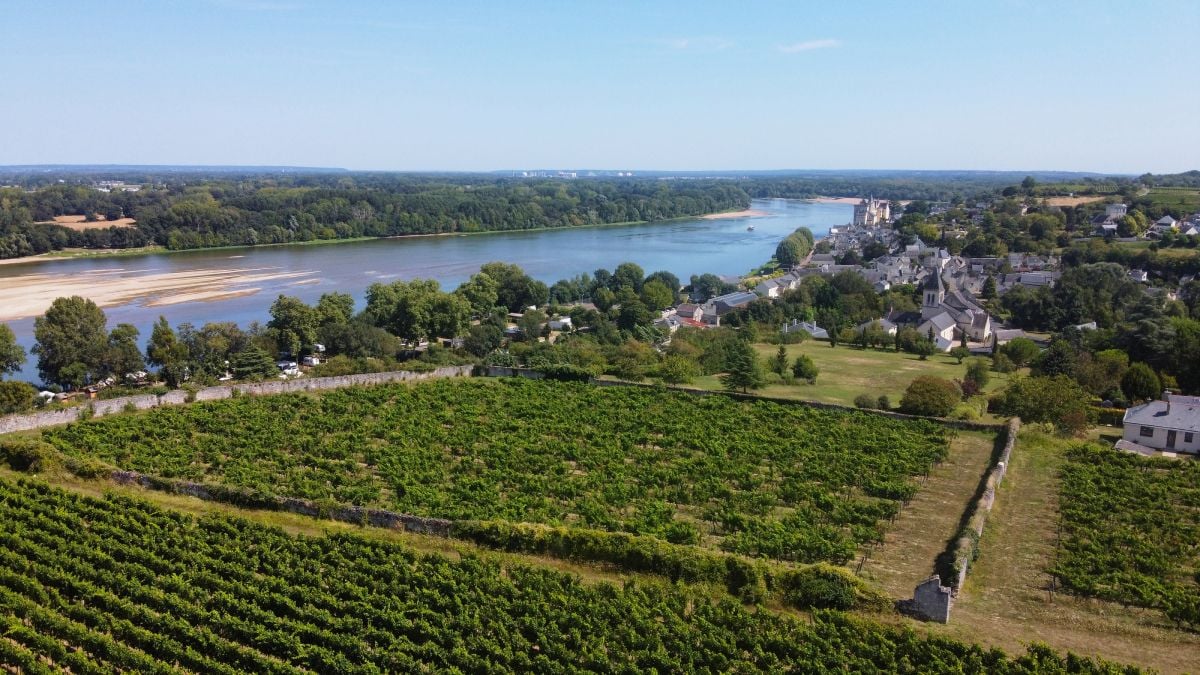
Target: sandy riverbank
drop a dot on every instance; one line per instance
(835, 200)
(31, 294)
(748, 213)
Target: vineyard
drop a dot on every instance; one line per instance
(116, 585)
(756, 478)
(1131, 531)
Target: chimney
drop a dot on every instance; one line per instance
(1167, 397)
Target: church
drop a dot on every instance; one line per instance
(947, 315)
(872, 212)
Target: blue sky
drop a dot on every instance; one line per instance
(1090, 86)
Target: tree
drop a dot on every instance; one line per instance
(295, 323)
(924, 348)
(1021, 351)
(656, 296)
(124, 356)
(335, 308)
(16, 397)
(865, 401)
(628, 275)
(483, 339)
(633, 360)
(804, 369)
(989, 288)
(744, 371)
(12, 355)
(1058, 400)
(530, 324)
(604, 299)
(1058, 359)
(167, 353)
(1140, 383)
(515, 289)
(780, 362)
(959, 353)
(676, 369)
(930, 396)
(979, 373)
(666, 279)
(254, 363)
(481, 291)
(71, 341)
(358, 339)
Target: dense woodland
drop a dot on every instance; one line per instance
(180, 214)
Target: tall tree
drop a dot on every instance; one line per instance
(295, 323)
(744, 372)
(12, 355)
(335, 308)
(71, 341)
(123, 355)
(167, 353)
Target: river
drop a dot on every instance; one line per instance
(243, 282)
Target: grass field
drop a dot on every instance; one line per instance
(1005, 601)
(847, 372)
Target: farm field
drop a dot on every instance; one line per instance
(116, 584)
(1006, 601)
(847, 372)
(1130, 529)
(761, 479)
(1185, 199)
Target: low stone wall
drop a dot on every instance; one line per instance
(968, 545)
(100, 408)
(931, 600)
(347, 513)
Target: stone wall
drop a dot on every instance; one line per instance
(931, 601)
(347, 513)
(100, 408)
(968, 544)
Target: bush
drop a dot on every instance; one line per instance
(16, 397)
(883, 402)
(977, 372)
(930, 396)
(1002, 364)
(1113, 417)
(27, 455)
(1140, 383)
(818, 587)
(1058, 400)
(805, 369)
(865, 401)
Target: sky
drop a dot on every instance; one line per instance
(694, 85)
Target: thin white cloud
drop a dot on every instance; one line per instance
(809, 45)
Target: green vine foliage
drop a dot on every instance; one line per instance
(760, 479)
(116, 585)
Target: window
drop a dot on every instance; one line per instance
(1148, 432)
(1187, 437)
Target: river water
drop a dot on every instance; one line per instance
(685, 247)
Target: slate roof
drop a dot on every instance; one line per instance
(1183, 413)
(942, 321)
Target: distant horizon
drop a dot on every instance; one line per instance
(117, 166)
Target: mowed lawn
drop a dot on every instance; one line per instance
(847, 372)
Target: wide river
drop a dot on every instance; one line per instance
(240, 284)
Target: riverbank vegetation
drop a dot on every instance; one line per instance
(179, 214)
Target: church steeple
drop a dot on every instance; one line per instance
(934, 292)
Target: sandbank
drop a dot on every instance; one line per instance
(748, 213)
(31, 294)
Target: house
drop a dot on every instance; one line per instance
(812, 329)
(885, 325)
(1139, 276)
(942, 328)
(768, 288)
(689, 310)
(1115, 211)
(725, 304)
(561, 323)
(1172, 424)
(1090, 325)
(951, 313)
(1165, 223)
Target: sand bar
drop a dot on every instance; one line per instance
(31, 294)
(748, 213)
